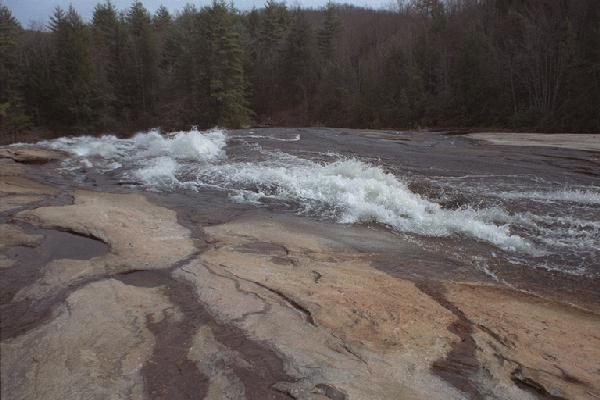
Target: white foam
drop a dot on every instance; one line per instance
(348, 190)
(108, 152)
(360, 193)
(161, 171)
(191, 145)
(87, 146)
(251, 135)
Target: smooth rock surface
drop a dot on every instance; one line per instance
(94, 348)
(579, 141)
(140, 235)
(338, 323)
(13, 235)
(551, 346)
(31, 155)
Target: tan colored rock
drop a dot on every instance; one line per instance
(216, 362)
(579, 141)
(553, 346)
(14, 202)
(337, 321)
(94, 348)
(13, 235)
(31, 155)
(140, 234)
(352, 299)
(11, 168)
(18, 191)
(24, 186)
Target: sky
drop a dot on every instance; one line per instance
(35, 11)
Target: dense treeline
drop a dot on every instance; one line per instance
(521, 64)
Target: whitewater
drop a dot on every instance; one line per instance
(343, 188)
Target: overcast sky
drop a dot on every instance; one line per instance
(28, 11)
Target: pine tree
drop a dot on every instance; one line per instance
(162, 19)
(333, 93)
(108, 37)
(328, 33)
(12, 110)
(298, 64)
(273, 27)
(72, 71)
(227, 86)
(142, 64)
(184, 67)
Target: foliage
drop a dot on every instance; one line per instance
(531, 64)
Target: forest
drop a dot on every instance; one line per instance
(496, 64)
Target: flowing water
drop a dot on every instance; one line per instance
(501, 209)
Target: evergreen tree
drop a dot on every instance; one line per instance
(162, 19)
(298, 64)
(227, 86)
(399, 92)
(72, 72)
(328, 33)
(334, 91)
(13, 117)
(108, 59)
(185, 65)
(141, 67)
(499, 63)
(273, 28)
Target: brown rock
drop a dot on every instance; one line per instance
(140, 234)
(18, 191)
(548, 347)
(94, 348)
(12, 235)
(338, 335)
(31, 155)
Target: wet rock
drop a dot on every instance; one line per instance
(18, 185)
(18, 191)
(94, 348)
(218, 363)
(10, 168)
(141, 236)
(13, 203)
(13, 235)
(337, 337)
(31, 155)
(551, 348)
(588, 142)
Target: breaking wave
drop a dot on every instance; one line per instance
(346, 190)
(354, 191)
(156, 155)
(192, 145)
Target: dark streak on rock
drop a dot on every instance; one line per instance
(349, 349)
(316, 276)
(21, 316)
(264, 248)
(526, 383)
(266, 365)
(285, 298)
(331, 392)
(460, 364)
(303, 310)
(170, 374)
